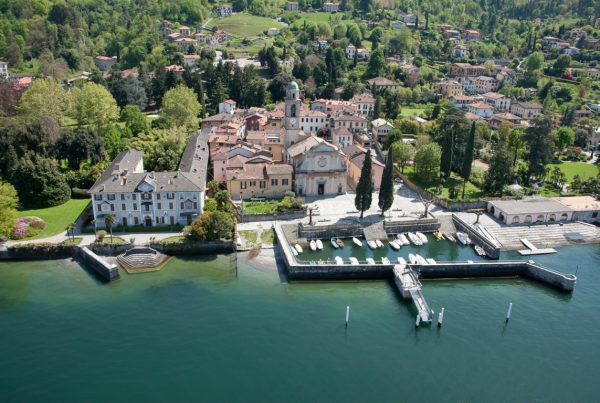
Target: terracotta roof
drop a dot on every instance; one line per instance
(279, 169)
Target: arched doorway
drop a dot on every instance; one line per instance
(552, 217)
(528, 218)
(148, 221)
(564, 217)
(515, 219)
(540, 218)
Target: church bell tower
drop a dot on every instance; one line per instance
(292, 113)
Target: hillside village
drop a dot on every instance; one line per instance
(295, 98)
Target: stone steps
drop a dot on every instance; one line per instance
(541, 235)
(141, 259)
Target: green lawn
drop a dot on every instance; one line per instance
(316, 18)
(250, 236)
(72, 241)
(472, 192)
(262, 207)
(57, 218)
(267, 237)
(244, 25)
(174, 239)
(116, 240)
(414, 110)
(570, 169)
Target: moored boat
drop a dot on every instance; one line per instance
(394, 245)
(379, 243)
(420, 259)
(357, 242)
(422, 237)
(438, 235)
(479, 250)
(414, 239)
(402, 262)
(339, 242)
(298, 248)
(372, 244)
(313, 245)
(463, 238)
(339, 260)
(449, 237)
(385, 260)
(294, 251)
(354, 261)
(319, 244)
(334, 243)
(403, 239)
(431, 260)
(370, 260)
(412, 258)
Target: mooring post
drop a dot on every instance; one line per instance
(347, 314)
(509, 311)
(441, 318)
(418, 320)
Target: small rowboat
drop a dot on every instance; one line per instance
(394, 245)
(422, 236)
(372, 244)
(334, 243)
(421, 259)
(449, 237)
(339, 260)
(463, 238)
(385, 260)
(354, 261)
(403, 239)
(431, 260)
(294, 251)
(379, 243)
(313, 245)
(416, 240)
(370, 260)
(298, 248)
(319, 244)
(357, 242)
(340, 242)
(480, 251)
(402, 262)
(412, 258)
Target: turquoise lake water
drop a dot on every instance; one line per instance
(197, 331)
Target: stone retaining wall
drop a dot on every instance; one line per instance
(351, 230)
(38, 251)
(107, 270)
(271, 217)
(491, 249)
(194, 248)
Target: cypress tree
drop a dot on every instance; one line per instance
(364, 189)
(386, 189)
(468, 159)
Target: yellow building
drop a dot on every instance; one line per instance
(259, 180)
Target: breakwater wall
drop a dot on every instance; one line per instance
(194, 248)
(350, 230)
(299, 270)
(38, 251)
(108, 271)
(492, 250)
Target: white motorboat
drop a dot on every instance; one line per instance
(402, 262)
(370, 260)
(357, 242)
(403, 239)
(354, 261)
(319, 244)
(412, 258)
(372, 244)
(463, 238)
(431, 260)
(313, 245)
(298, 248)
(385, 260)
(416, 240)
(395, 245)
(420, 259)
(422, 236)
(449, 237)
(294, 251)
(339, 260)
(379, 243)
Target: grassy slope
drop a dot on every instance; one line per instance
(57, 218)
(244, 25)
(570, 169)
(267, 206)
(472, 192)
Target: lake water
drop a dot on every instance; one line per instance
(197, 330)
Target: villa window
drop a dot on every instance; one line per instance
(274, 182)
(252, 184)
(146, 196)
(284, 182)
(262, 184)
(123, 207)
(99, 207)
(170, 195)
(189, 205)
(111, 197)
(171, 206)
(243, 184)
(134, 196)
(135, 206)
(97, 197)
(122, 196)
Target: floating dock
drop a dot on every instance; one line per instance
(410, 287)
(534, 250)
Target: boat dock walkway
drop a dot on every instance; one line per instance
(409, 286)
(534, 250)
(375, 231)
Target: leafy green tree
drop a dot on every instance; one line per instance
(427, 162)
(376, 37)
(376, 65)
(515, 143)
(115, 140)
(94, 105)
(392, 137)
(162, 148)
(386, 189)
(403, 154)
(364, 189)
(181, 107)
(45, 98)
(534, 61)
(564, 138)
(80, 145)
(8, 208)
(500, 172)
(212, 187)
(539, 151)
(134, 119)
(39, 183)
(468, 158)
(212, 226)
(223, 200)
(561, 64)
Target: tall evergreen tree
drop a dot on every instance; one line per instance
(364, 189)
(386, 189)
(540, 147)
(468, 158)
